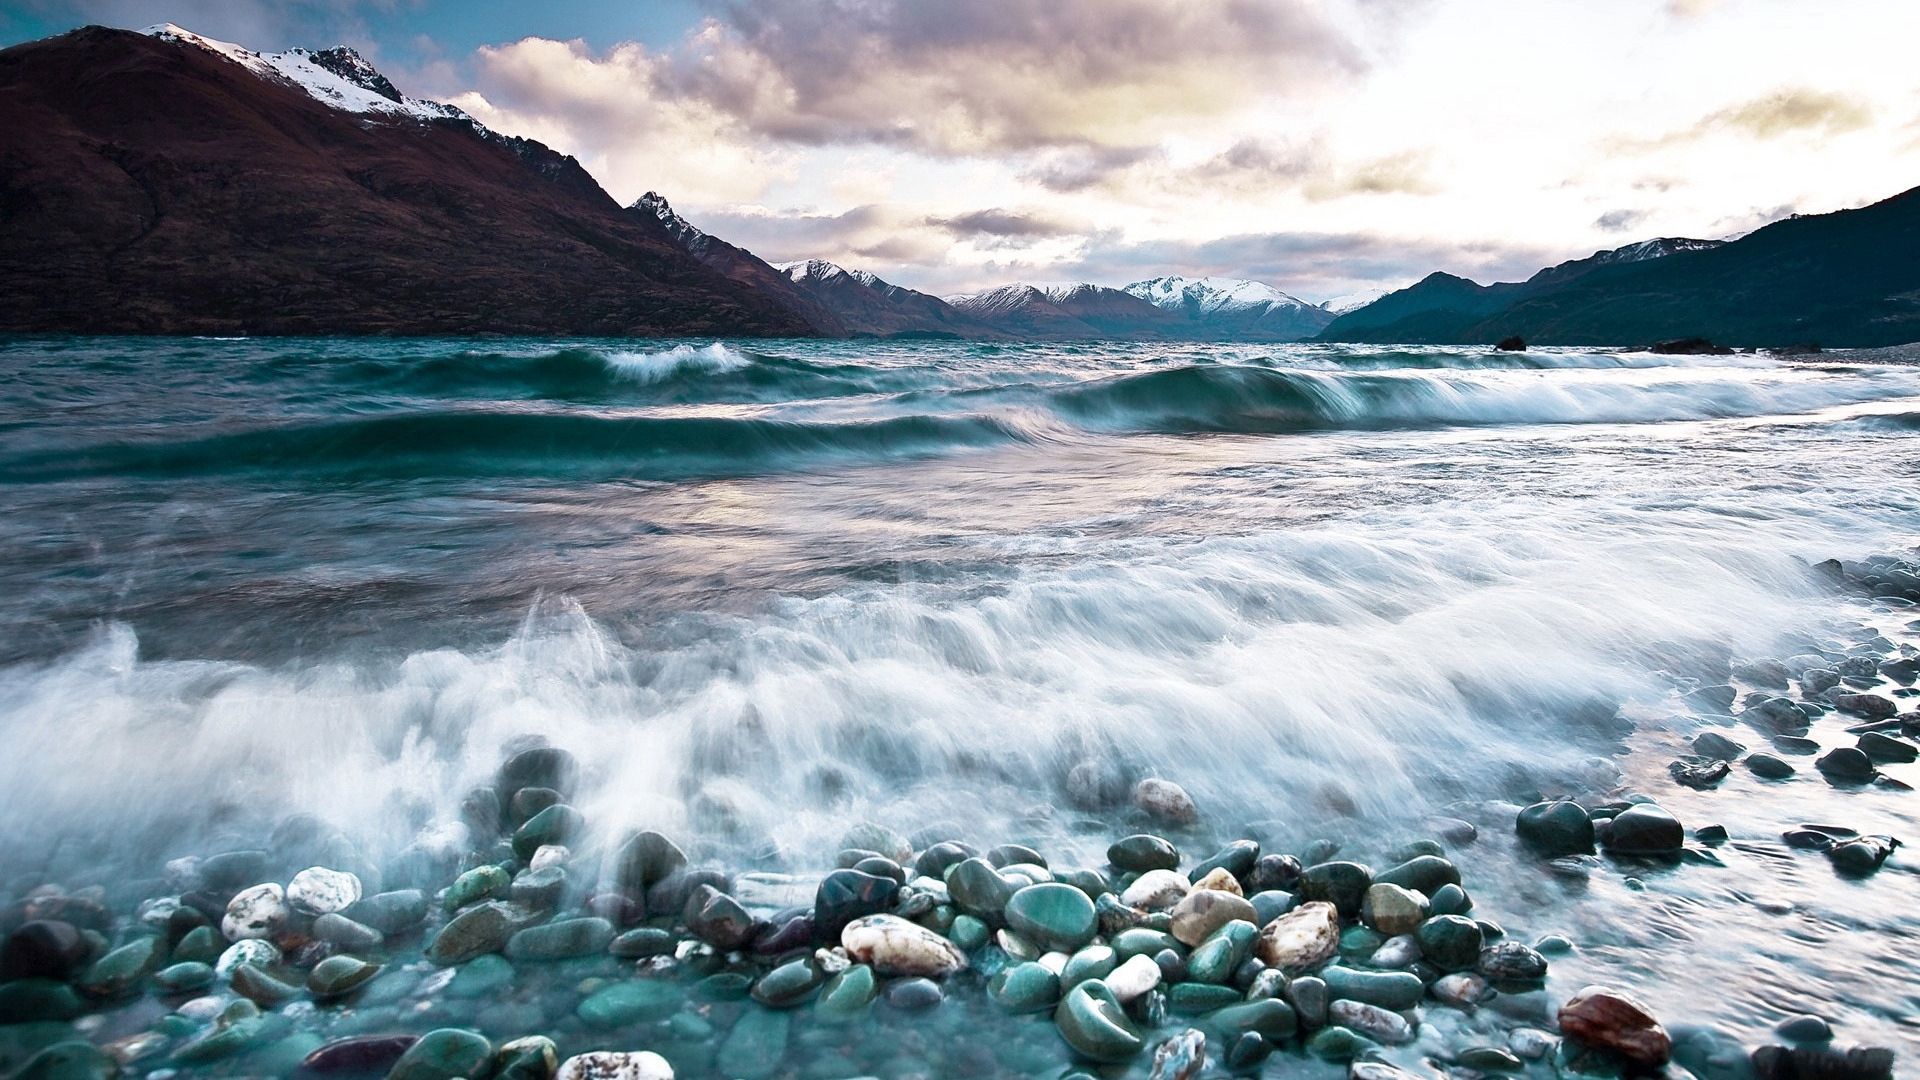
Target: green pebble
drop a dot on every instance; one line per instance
(1025, 988)
(445, 1054)
(847, 994)
(634, 1001)
(482, 976)
(969, 933)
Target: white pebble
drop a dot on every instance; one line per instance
(549, 855)
(1156, 890)
(1133, 978)
(318, 890)
(255, 913)
(260, 954)
(613, 1065)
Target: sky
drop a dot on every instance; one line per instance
(1326, 147)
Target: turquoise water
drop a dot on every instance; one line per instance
(765, 590)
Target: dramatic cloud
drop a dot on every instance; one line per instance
(1254, 166)
(1614, 221)
(1004, 224)
(1789, 111)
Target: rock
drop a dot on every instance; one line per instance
(1424, 874)
(1804, 1028)
(1861, 856)
(1698, 772)
(358, 1054)
(913, 995)
(262, 989)
(1610, 1020)
(257, 912)
(539, 767)
(646, 860)
(846, 895)
(1165, 801)
(894, 946)
(1376, 1023)
(1156, 890)
(1462, 989)
(1768, 767)
(847, 994)
(1142, 852)
(979, 889)
(184, 978)
(1392, 909)
(1134, 977)
(1450, 900)
(879, 839)
(1094, 1024)
(1301, 939)
(1509, 964)
(1024, 988)
(445, 1054)
(1872, 706)
(337, 976)
(1886, 749)
(1491, 1059)
(561, 939)
(756, 1048)
(1512, 343)
(42, 949)
(1237, 859)
(1215, 959)
(1219, 880)
(1204, 911)
(1450, 942)
(1052, 915)
(336, 929)
(530, 1057)
(1645, 829)
(1342, 884)
(482, 929)
(318, 890)
(539, 890)
(475, 885)
(1847, 765)
(718, 919)
(74, 1060)
(788, 985)
(1271, 1018)
(642, 942)
(1182, 1057)
(634, 1001)
(1712, 744)
(1553, 829)
(1387, 989)
(1400, 951)
(1822, 1063)
(123, 968)
(1691, 346)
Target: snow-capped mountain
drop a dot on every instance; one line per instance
(869, 305)
(1066, 311)
(339, 76)
(1352, 301)
(1233, 308)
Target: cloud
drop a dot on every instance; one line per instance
(1619, 220)
(1004, 225)
(958, 78)
(1249, 167)
(1788, 111)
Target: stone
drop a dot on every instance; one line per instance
(1381, 1025)
(258, 912)
(1156, 890)
(847, 994)
(1884, 749)
(1133, 978)
(184, 978)
(646, 859)
(642, 942)
(263, 954)
(1204, 911)
(1220, 880)
(1091, 962)
(1712, 744)
(74, 1060)
(1450, 942)
(261, 988)
(717, 918)
(482, 929)
(1271, 1018)
(122, 969)
(979, 889)
(358, 1054)
(1237, 859)
(894, 946)
(445, 1054)
(1449, 900)
(533, 1057)
(394, 912)
(1142, 852)
(1610, 1020)
(318, 890)
(42, 949)
(1698, 772)
(913, 995)
(537, 767)
(1216, 959)
(1300, 940)
(1462, 989)
(1342, 884)
(1872, 706)
(1846, 765)
(549, 855)
(1491, 1059)
(879, 839)
(1093, 1022)
(1509, 965)
(1393, 909)
(561, 939)
(846, 895)
(1861, 856)
(539, 890)
(1822, 1063)
(1052, 915)
(1804, 1028)
(1023, 988)
(476, 885)
(938, 858)
(1424, 874)
(1142, 941)
(557, 824)
(336, 929)
(1399, 951)
(1553, 829)
(1165, 801)
(634, 1001)
(1768, 767)
(1645, 829)
(1387, 989)
(788, 985)
(337, 976)
(1274, 872)
(756, 1047)
(1181, 1057)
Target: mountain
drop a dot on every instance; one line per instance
(1232, 309)
(1353, 301)
(1443, 307)
(162, 182)
(1850, 278)
(1059, 312)
(739, 264)
(866, 305)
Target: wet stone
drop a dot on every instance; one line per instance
(474, 932)
(1142, 852)
(1450, 942)
(444, 1054)
(1645, 829)
(1846, 765)
(1342, 884)
(1698, 772)
(634, 1001)
(561, 940)
(788, 985)
(1553, 829)
(359, 1054)
(1052, 915)
(718, 919)
(1769, 767)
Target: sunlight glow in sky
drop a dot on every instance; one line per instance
(1323, 146)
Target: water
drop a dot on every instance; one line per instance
(764, 590)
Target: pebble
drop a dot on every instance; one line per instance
(1165, 801)
(1134, 977)
(1301, 939)
(1156, 890)
(894, 946)
(253, 913)
(1376, 1023)
(1611, 1020)
(1203, 911)
(318, 890)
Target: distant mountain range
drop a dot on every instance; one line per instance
(163, 182)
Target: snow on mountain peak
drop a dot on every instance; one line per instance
(812, 269)
(338, 77)
(1210, 295)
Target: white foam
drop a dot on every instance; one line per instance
(653, 367)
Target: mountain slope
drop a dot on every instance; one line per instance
(1063, 312)
(1233, 309)
(1850, 278)
(869, 306)
(738, 264)
(160, 183)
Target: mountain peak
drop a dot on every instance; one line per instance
(338, 77)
